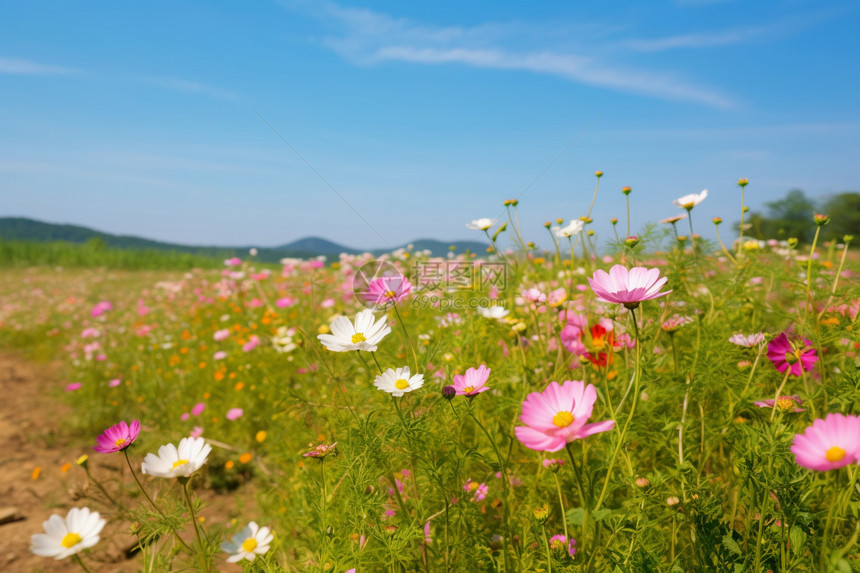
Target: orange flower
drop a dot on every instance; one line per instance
(245, 458)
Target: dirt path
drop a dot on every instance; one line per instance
(31, 437)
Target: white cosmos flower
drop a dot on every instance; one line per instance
(481, 224)
(397, 381)
(64, 537)
(495, 312)
(689, 201)
(364, 335)
(251, 541)
(569, 230)
(177, 462)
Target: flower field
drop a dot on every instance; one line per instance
(666, 403)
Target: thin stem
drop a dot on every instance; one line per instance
(204, 562)
(376, 361)
(561, 503)
(99, 485)
(77, 559)
(637, 375)
(692, 238)
(741, 228)
(809, 265)
(408, 338)
(778, 392)
(504, 473)
(585, 504)
(835, 281)
(546, 546)
(152, 503)
(627, 198)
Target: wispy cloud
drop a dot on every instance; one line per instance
(370, 38)
(22, 67)
(189, 87)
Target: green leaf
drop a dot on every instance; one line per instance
(798, 538)
(730, 544)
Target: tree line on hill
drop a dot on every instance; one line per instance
(791, 216)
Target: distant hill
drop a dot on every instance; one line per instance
(24, 229)
(317, 245)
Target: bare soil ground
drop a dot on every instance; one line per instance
(31, 437)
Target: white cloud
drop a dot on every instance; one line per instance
(371, 38)
(22, 67)
(190, 87)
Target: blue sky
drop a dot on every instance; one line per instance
(145, 118)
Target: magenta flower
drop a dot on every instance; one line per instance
(74, 386)
(115, 382)
(118, 437)
(478, 490)
(100, 308)
(560, 543)
(473, 382)
(234, 414)
(198, 408)
(783, 404)
(794, 354)
(558, 416)
(321, 451)
(828, 444)
(628, 287)
(385, 290)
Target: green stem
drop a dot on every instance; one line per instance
(99, 485)
(778, 392)
(504, 473)
(77, 559)
(204, 562)
(408, 338)
(546, 546)
(561, 504)
(586, 506)
(809, 265)
(637, 375)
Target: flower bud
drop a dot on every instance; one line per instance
(642, 482)
(598, 174)
(541, 514)
(626, 190)
(586, 219)
(717, 220)
(614, 221)
(743, 182)
(547, 224)
(821, 220)
(559, 220)
(448, 392)
(631, 241)
(792, 242)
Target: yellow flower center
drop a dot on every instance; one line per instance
(689, 205)
(249, 545)
(178, 463)
(119, 442)
(358, 337)
(389, 294)
(401, 384)
(835, 454)
(785, 404)
(70, 540)
(563, 419)
(473, 486)
(468, 389)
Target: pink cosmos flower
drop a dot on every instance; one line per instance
(794, 354)
(478, 491)
(828, 444)
(100, 308)
(221, 334)
(90, 333)
(473, 382)
(558, 416)
(628, 287)
(321, 451)
(74, 386)
(747, 340)
(234, 414)
(385, 290)
(115, 382)
(118, 437)
(233, 262)
(783, 404)
(220, 355)
(676, 321)
(198, 408)
(534, 295)
(253, 343)
(560, 543)
(196, 432)
(284, 302)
